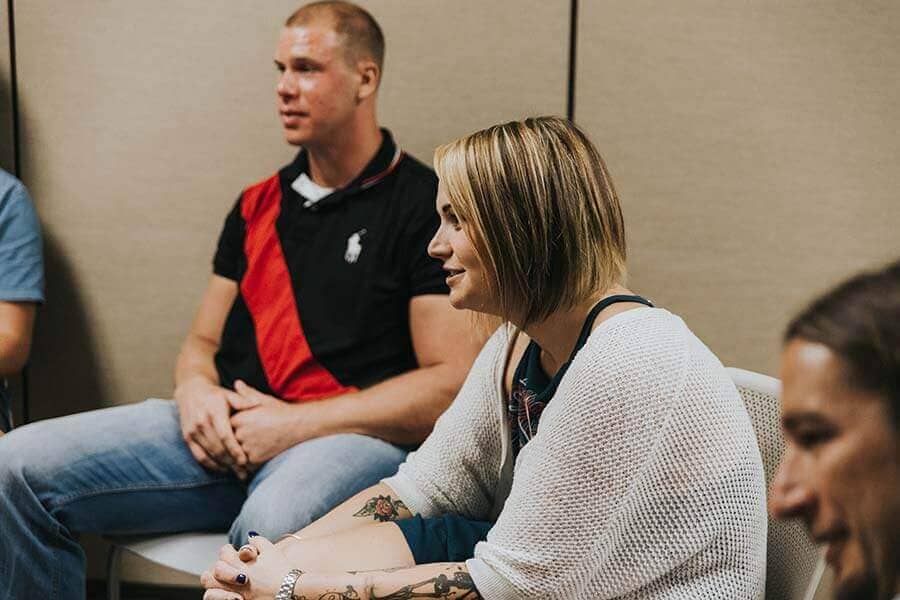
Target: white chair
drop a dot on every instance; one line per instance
(791, 561)
(190, 553)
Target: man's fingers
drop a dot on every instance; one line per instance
(249, 392)
(222, 425)
(239, 402)
(208, 436)
(201, 456)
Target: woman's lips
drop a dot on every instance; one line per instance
(453, 275)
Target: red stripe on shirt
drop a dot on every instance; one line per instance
(290, 367)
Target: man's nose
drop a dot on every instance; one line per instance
(789, 495)
(286, 85)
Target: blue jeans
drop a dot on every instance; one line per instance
(126, 470)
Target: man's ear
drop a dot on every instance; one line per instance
(369, 78)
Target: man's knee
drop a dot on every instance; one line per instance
(271, 519)
(21, 452)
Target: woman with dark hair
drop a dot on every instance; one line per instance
(597, 449)
(841, 415)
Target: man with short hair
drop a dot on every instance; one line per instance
(840, 472)
(21, 282)
(316, 359)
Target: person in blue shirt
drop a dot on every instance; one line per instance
(21, 281)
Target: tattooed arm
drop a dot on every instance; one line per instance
(448, 581)
(377, 504)
(338, 540)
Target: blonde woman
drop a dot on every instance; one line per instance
(597, 449)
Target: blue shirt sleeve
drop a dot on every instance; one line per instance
(21, 247)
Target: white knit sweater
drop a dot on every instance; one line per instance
(643, 480)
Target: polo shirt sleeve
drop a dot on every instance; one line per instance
(426, 275)
(230, 250)
(21, 247)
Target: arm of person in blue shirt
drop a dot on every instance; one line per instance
(16, 324)
(401, 409)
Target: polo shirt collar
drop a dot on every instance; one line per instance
(381, 165)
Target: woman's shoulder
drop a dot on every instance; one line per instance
(644, 333)
(647, 349)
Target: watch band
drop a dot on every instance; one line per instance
(286, 591)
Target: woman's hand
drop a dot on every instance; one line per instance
(254, 573)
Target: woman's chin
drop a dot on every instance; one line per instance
(458, 301)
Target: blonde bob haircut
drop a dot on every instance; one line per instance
(539, 207)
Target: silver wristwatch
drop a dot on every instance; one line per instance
(286, 591)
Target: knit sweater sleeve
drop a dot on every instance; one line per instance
(456, 470)
(642, 481)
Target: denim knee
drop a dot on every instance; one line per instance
(17, 456)
(269, 519)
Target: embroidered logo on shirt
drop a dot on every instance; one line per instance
(354, 246)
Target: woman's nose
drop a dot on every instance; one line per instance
(437, 247)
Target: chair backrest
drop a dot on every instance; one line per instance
(791, 558)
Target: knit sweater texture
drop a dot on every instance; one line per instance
(643, 480)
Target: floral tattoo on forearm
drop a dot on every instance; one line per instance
(459, 586)
(382, 508)
(348, 594)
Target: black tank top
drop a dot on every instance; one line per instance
(532, 389)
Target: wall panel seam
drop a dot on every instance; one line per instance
(573, 54)
(13, 87)
(16, 151)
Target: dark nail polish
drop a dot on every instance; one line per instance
(241, 578)
(252, 534)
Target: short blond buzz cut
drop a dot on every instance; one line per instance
(362, 36)
(541, 211)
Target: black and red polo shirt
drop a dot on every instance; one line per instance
(323, 306)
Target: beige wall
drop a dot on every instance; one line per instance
(140, 126)
(142, 121)
(7, 157)
(755, 148)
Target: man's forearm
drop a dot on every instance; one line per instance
(400, 410)
(196, 360)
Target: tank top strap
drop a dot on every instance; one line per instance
(598, 308)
